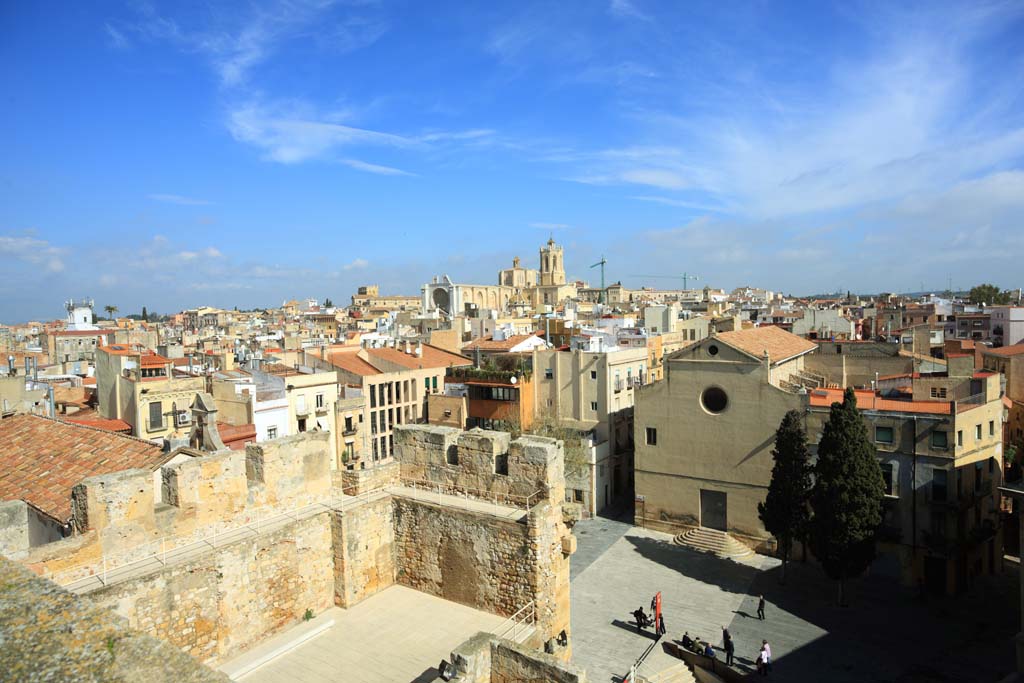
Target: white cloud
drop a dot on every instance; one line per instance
(212, 252)
(374, 168)
(626, 9)
(33, 251)
(357, 264)
(178, 199)
(289, 137)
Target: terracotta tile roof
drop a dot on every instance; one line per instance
(42, 459)
(1015, 350)
(107, 425)
(349, 360)
(869, 400)
(235, 436)
(507, 344)
(433, 357)
(149, 360)
(780, 344)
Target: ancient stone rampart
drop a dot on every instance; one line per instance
(487, 659)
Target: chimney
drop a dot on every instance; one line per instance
(419, 349)
(408, 348)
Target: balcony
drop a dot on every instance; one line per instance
(348, 431)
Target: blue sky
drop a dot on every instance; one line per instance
(179, 154)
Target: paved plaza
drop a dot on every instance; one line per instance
(398, 635)
(887, 634)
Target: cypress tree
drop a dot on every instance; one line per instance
(847, 495)
(784, 511)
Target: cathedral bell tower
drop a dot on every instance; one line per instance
(552, 267)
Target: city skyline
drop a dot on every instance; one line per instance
(173, 158)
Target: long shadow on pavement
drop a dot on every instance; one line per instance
(887, 634)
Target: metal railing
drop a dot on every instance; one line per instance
(470, 494)
(261, 520)
(520, 623)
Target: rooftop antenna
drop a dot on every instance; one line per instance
(600, 295)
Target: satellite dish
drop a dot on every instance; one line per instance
(513, 379)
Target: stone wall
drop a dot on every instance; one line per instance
(354, 482)
(487, 659)
(483, 463)
(364, 550)
(466, 557)
(49, 634)
(228, 600)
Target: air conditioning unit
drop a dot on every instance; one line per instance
(182, 418)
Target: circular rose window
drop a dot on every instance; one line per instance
(714, 400)
(713, 350)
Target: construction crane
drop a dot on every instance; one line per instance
(685, 277)
(600, 295)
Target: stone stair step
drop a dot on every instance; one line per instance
(713, 541)
(677, 673)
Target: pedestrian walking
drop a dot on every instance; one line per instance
(760, 607)
(661, 624)
(730, 649)
(762, 662)
(767, 656)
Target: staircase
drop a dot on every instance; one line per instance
(713, 541)
(677, 673)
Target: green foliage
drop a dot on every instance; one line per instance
(328, 303)
(847, 495)
(110, 642)
(308, 615)
(989, 294)
(145, 315)
(784, 512)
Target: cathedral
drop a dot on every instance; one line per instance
(524, 290)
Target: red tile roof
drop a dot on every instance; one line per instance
(42, 459)
(755, 341)
(488, 343)
(350, 361)
(433, 357)
(869, 400)
(1015, 350)
(106, 424)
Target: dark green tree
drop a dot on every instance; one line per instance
(328, 303)
(847, 496)
(145, 316)
(990, 295)
(785, 512)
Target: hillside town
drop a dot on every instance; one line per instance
(664, 405)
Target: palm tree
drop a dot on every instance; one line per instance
(111, 310)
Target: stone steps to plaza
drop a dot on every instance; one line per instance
(677, 673)
(713, 541)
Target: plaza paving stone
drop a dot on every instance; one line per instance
(887, 634)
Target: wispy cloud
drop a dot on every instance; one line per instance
(236, 42)
(34, 252)
(374, 168)
(357, 264)
(626, 9)
(288, 136)
(178, 199)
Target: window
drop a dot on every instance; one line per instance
(959, 437)
(938, 392)
(319, 400)
(713, 350)
(991, 427)
(883, 434)
(714, 400)
(501, 463)
(156, 415)
(435, 383)
(300, 404)
(977, 432)
(887, 477)
(940, 439)
(593, 374)
(578, 494)
(548, 374)
(652, 436)
(452, 455)
(302, 424)
(348, 423)
(373, 397)
(271, 432)
(939, 480)
(593, 405)
(977, 477)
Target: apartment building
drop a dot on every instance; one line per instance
(1007, 325)
(593, 392)
(142, 389)
(395, 381)
(1009, 361)
(312, 396)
